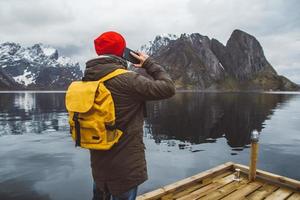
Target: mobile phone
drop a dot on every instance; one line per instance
(127, 56)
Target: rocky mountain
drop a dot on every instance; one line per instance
(36, 67)
(7, 82)
(198, 62)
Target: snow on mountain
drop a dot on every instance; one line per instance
(26, 64)
(157, 43)
(164, 40)
(25, 79)
(47, 50)
(66, 61)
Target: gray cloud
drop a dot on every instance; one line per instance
(71, 25)
(69, 50)
(32, 14)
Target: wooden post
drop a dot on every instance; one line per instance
(254, 155)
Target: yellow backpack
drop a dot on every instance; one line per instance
(92, 113)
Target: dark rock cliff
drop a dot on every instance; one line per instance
(7, 82)
(196, 62)
(191, 62)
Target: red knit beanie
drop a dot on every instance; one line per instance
(110, 43)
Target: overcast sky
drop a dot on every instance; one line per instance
(71, 25)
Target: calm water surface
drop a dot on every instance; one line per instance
(184, 135)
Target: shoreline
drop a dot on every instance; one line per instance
(32, 91)
(177, 91)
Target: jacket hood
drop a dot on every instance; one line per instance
(101, 66)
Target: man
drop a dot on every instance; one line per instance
(118, 171)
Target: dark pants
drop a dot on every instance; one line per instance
(105, 195)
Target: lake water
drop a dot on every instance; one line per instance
(184, 135)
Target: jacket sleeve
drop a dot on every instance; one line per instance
(161, 87)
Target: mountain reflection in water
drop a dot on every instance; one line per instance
(27, 113)
(188, 133)
(189, 117)
(203, 117)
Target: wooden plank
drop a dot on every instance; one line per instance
(203, 179)
(279, 194)
(188, 190)
(227, 189)
(167, 197)
(295, 184)
(209, 173)
(209, 188)
(244, 191)
(156, 194)
(295, 196)
(262, 192)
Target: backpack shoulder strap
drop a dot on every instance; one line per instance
(113, 74)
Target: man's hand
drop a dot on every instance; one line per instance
(141, 57)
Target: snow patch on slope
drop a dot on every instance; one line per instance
(220, 64)
(65, 61)
(47, 50)
(169, 36)
(26, 78)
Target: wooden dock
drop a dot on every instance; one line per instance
(223, 182)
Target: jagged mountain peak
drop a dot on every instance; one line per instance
(197, 62)
(170, 36)
(243, 40)
(158, 42)
(46, 50)
(237, 33)
(193, 36)
(245, 56)
(196, 40)
(164, 40)
(40, 54)
(9, 48)
(26, 65)
(29, 53)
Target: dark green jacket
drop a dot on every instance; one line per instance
(124, 166)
